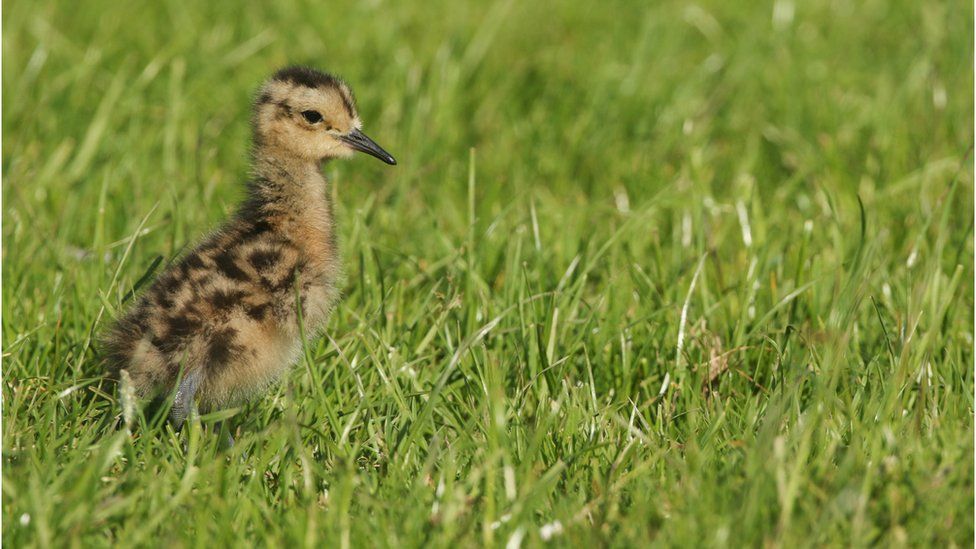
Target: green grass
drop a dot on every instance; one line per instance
(687, 274)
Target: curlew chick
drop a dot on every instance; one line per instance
(226, 320)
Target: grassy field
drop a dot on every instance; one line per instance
(682, 274)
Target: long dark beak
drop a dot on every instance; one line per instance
(358, 141)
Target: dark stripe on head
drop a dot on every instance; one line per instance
(304, 76)
(347, 102)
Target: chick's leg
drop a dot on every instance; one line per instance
(183, 401)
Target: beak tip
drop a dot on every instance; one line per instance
(359, 142)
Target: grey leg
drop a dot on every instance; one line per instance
(183, 401)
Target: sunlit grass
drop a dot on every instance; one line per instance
(687, 274)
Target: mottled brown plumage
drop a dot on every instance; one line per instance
(223, 321)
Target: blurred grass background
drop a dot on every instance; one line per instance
(680, 273)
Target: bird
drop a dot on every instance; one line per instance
(226, 320)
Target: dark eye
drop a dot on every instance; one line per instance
(312, 116)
